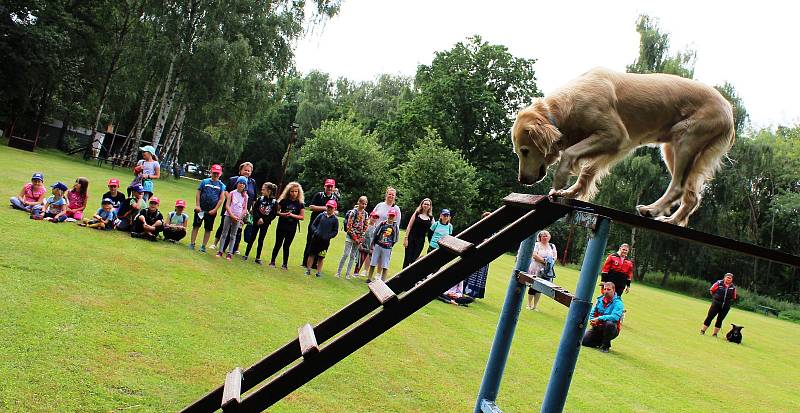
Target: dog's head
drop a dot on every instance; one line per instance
(736, 329)
(534, 139)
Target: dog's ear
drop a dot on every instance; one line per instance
(543, 135)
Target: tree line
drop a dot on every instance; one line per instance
(208, 82)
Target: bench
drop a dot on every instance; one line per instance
(768, 310)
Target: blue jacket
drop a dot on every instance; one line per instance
(611, 312)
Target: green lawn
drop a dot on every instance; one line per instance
(99, 322)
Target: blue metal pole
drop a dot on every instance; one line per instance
(505, 327)
(570, 345)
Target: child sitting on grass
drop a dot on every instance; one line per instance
(31, 195)
(131, 208)
(177, 222)
(385, 238)
(103, 218)
(324, 228)
(55, 207)
(149, 222)
(117, 198)
(76, 199)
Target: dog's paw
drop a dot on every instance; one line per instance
(651, 211)
(672, 220)
(564, 193)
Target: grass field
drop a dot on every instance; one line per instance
(99, 322)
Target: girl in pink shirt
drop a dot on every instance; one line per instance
(32, 194)
(76, 198)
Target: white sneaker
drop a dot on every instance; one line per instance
(347, 277)
(338, 275)
(71, 220)
(212, 247)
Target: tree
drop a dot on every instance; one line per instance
(740, 116)
(654, 54)
(338, 149)
(437, 172)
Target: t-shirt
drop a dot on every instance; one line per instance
(320, 199)
(382, 209)
(76, 200)
(177, 219)
(116, 201)
(250, 188)
(287, 205)
(210, 191)
(439, 230)
(54, 205)
(129, 208)
(238, 203)
(148, 168)
(386, 234)
(264, 208)
(32, 195)
(107, 215)
(151, 217)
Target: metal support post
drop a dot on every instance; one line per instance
(505, 327)
(570, 345)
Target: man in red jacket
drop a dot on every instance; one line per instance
(618, 269)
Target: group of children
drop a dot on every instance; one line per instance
(369, 239)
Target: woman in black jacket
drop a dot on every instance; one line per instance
(723, 293)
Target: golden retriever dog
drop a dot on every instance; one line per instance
(603, 115)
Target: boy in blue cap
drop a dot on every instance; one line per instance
(130, 208)
(104, 217)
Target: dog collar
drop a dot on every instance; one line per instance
(550, 117)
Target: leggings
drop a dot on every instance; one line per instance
(718, 310)
(261, 230)
(229, 231)
(413, 250)
(283, 237)
(237, 237)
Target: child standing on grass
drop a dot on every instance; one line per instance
(385, 237)
(131, 208)
(177, 221)
(117, 198)
(290, 213)
(365, 247)
(440, 228)
(355, 225)
(324, 228)
(149, 222)
(31, 195)
(208, 199)
(236, 208)
(264, 210)
(54, 208)
(76, 199)
(103, 218)
(151, 169)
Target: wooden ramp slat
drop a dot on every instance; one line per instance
(308, 341)
(547, 288)
(382, 292)
(232, 394)
(458, 246)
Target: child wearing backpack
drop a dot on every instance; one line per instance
(177, 222)
(355, 225)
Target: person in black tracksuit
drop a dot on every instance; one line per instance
(290, 213)
(723, 294)
(264, 210)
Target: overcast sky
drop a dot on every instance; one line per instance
(754, 44)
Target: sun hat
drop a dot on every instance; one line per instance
(445, 211)
(374, 215)
(154, 200)
(113, 181)
(331, 203)
(106, 201)
(148, 148)
(59, 185)
(37, 175)
(180, 203)
(391, 213)
(216, 168)
(136, 188)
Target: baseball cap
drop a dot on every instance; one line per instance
(331, 203)
(216, 168)
(180, 203)
(241, 180)
(59, 185)
(148, 148)
(445, 211)
(330, 182)
(136, 188)
(374, 214)
(106, 201)
(37, 175)
(154, 200)
(391, 213)
(113, 181)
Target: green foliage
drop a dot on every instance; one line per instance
(654, 54)
(339, 150)
(740, 116)
(441, 174)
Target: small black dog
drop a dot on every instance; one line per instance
(735, 335)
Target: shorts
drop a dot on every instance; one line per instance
(207, 220)
(318, 247)
(380, 257)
